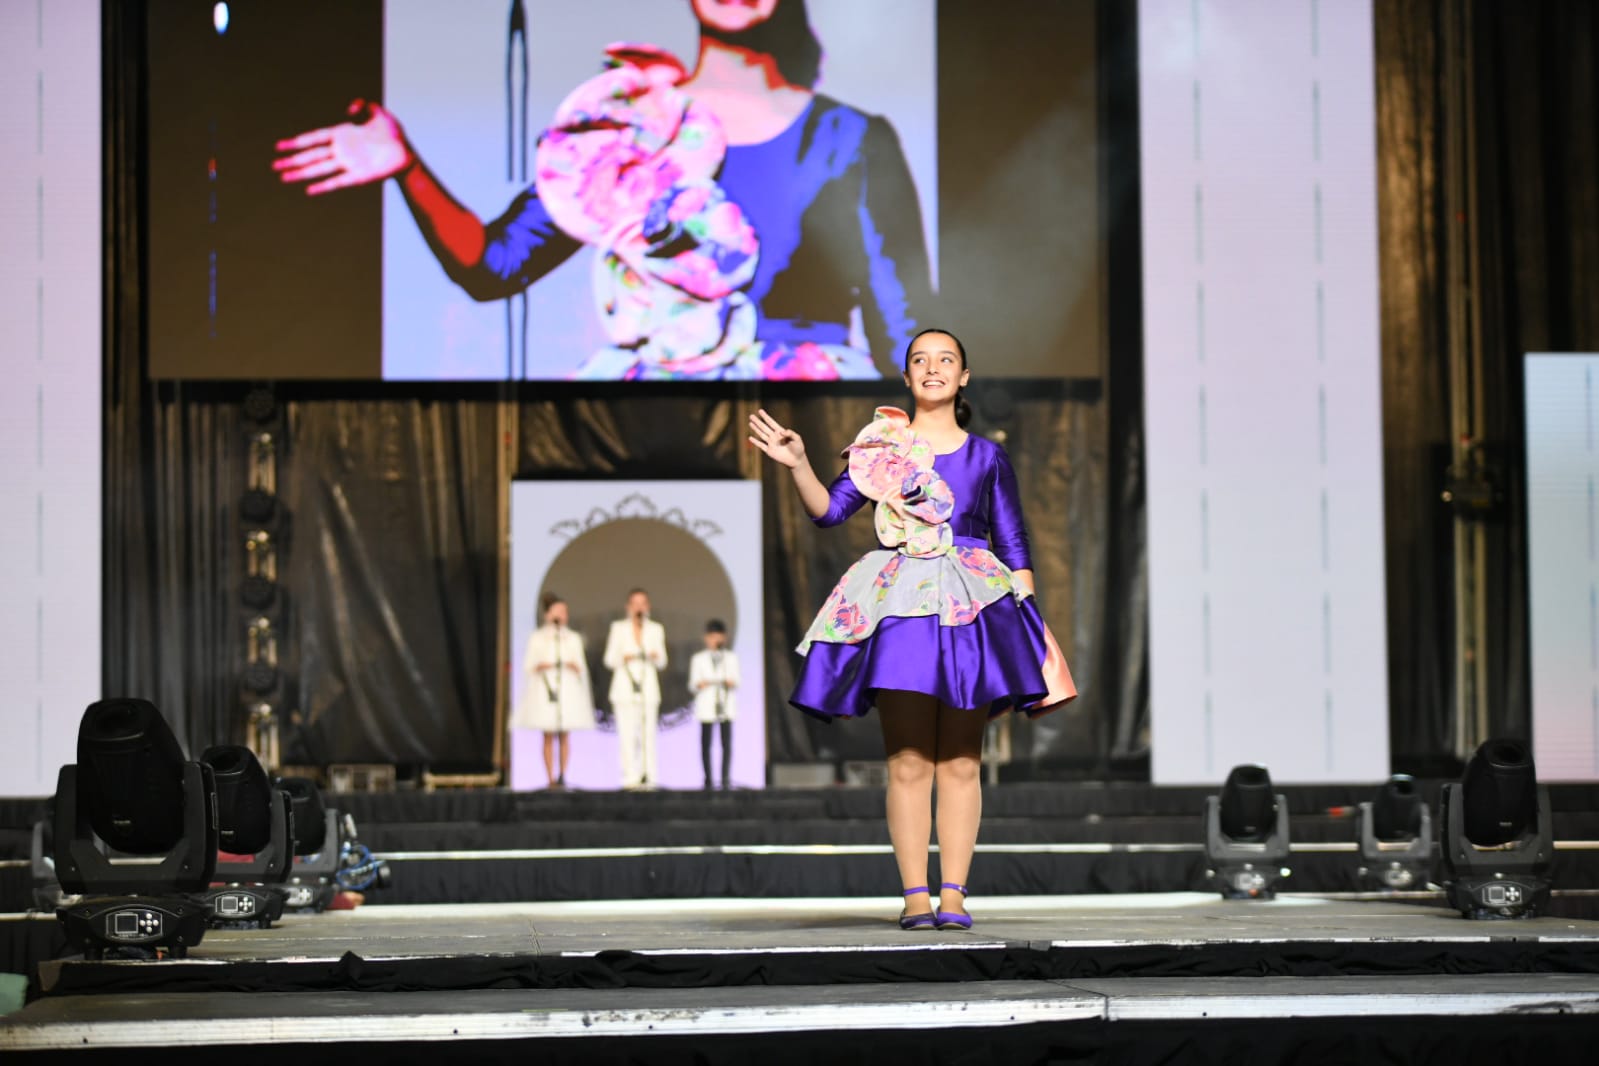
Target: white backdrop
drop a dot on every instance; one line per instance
(50, 405)
(1563, 564)
(1262, 391)
(547, 517)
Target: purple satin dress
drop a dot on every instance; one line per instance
(992, 658)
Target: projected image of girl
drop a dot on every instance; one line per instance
(937, 628)
(738, 217)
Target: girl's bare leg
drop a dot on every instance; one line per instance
(958, 768)
(910, 739)
(549, 757)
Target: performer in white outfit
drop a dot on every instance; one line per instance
(557, 696)
(713, 678)
(635, 653)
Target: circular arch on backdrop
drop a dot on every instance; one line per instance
(686, 582)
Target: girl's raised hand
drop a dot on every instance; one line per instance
(783, 445)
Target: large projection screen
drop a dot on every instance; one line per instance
(1262, 389)
(548, 190)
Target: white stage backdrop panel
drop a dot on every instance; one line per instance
(1563, 564)
(50, 406)
(1262, 390)
(695, 546)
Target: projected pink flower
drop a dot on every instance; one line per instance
(628, 167)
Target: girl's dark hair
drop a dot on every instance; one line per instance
(963, 410)
(548, 600)
(786, 36)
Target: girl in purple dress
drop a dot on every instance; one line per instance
(938, 627)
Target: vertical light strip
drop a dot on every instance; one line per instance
(1563, 564)
(1262, 389)
(50, 410)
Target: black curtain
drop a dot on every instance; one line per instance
(393, 568)
(1534, 85)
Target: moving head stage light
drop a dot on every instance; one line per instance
(131, 792)
(256, 820)
(328, 856)
(1497, 843)
(1396, 837)
(1246, 835)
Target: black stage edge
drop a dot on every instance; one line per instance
(627, 969)
(1499, 1040)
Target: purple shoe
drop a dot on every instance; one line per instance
(954, 919)
(916, 921)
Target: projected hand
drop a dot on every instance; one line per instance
(781, 444)
(368, 149)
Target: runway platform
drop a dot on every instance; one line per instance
(1127, 978)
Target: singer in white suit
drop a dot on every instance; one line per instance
(635, 653)
(557, 696)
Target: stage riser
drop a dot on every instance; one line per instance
(1067, 800)
(437, 836)
(776, 876)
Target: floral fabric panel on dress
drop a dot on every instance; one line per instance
(919, 571)
(629, 166)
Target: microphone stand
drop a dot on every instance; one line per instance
(516, 168)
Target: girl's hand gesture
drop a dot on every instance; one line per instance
(783, 445)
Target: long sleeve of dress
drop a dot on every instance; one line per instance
(844, 499)
(522, 245)
(1007, 529)
(530, 657)
(613, 648)
(656, 652)
(899, 290)
(582, 660)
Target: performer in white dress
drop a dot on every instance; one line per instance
(635, 653)
(713, 678)
(557, 696)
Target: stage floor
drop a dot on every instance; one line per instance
(499, 972)
(825, 925)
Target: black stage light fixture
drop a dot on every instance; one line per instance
(256, 820)
(132, 771)
(1246, 835)
(1396, 837)
(260, 404)
(312, 883)
(1497, 843)
(132, 793)
(311, 823)
(258, 592)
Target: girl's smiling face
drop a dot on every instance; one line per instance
(935, 369)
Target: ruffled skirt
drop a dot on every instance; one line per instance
(953, 626)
